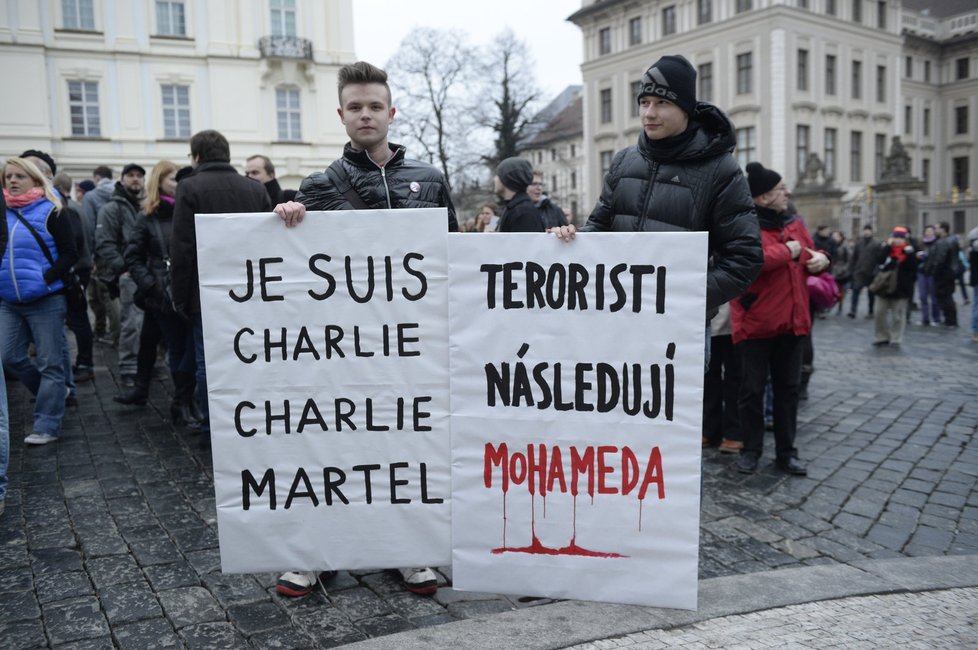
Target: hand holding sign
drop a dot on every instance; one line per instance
(291, 212)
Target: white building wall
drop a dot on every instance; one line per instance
(773, 31)
(231, 85)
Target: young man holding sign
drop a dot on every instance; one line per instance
(681, 176)
(372, 174)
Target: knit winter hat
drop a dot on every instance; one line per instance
(34, 153)
(761, 179)
(900, 231)
(515, 173)
(673, 78)
(86, 185)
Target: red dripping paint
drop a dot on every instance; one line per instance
(504, 519)
(537, 548)
(533, 517)
(575, 518)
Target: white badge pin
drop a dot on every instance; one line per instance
(415, 186)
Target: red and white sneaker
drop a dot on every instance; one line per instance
(301, 583)
(420, 580)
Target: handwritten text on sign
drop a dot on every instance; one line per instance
(577, 371)
(327, 379)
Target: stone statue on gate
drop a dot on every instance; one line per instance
(897, 163)
(814, 174)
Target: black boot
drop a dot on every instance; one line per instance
(135, 396)
(194, 408)
(183, 394)
(182, 416)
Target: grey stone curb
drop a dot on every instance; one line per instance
(570, 622)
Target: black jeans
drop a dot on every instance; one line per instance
(721, 384)
(149, 340)
(77, 321)
(944, 288)
(781, 355)
(857, 288)
(179, 341)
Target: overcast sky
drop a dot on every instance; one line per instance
(380, 25)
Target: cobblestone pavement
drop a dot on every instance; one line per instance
(109, 536)
(925, 620)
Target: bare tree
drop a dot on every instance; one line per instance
(432, 76)
(508, 71)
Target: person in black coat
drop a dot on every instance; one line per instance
(147, 256)
(214, 187)
(513, 176)
(891, 308)
(681, 176)
(550, 212)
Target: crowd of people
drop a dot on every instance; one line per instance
(892, 271)
(117, 262)
(535, 212)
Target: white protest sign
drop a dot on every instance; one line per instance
(326, 353)
(577, 378)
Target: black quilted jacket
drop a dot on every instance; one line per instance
(400, 183)
(697, 188)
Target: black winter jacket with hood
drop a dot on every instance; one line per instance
(400, 183)
(520, 215)
(148, 257)
(689, 182)
(115, 220)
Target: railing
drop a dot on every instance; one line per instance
(941, 29)
(285, 47)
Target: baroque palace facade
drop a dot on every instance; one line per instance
(109, 82)
(837, 78)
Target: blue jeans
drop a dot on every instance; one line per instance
(930, 310)
(41, 321)
(4, 440)
(198, 331)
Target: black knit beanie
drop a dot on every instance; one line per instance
(761, 179)
(515, 173)
(673, 78)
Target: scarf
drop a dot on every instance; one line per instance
(768, 219)
(167, 199)
(132, 199)
(668, 149)
(21, 200)
(897, 252)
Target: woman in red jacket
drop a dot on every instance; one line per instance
(770, 320)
